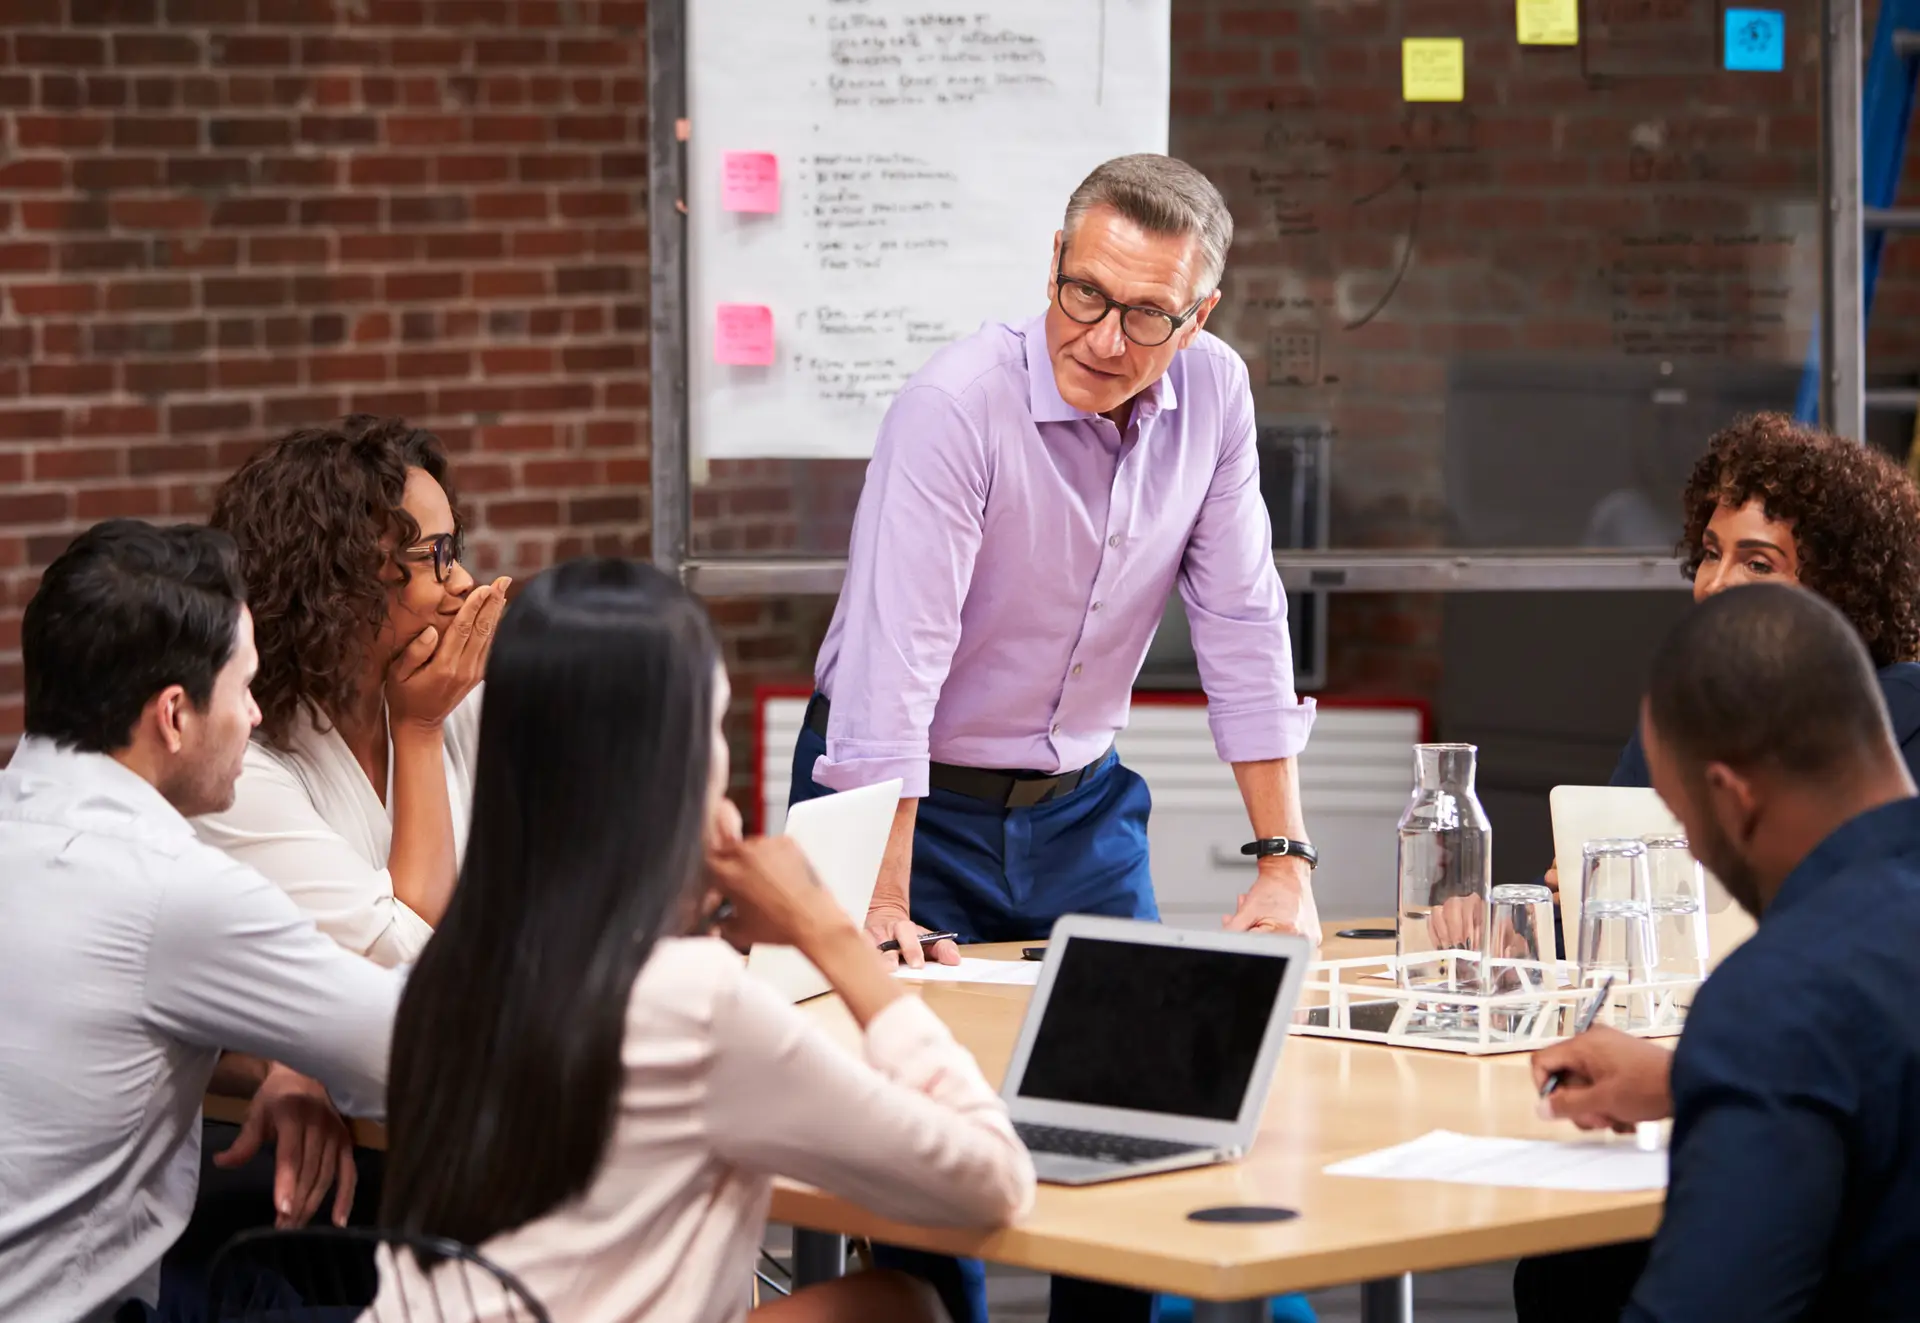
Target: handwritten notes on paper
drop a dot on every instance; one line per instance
(912, 198)
(1548, 22)
(750, 181)
(1599, 1165)
(743, 335)
(1433, 69)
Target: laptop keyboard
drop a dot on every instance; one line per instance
(1096, 1146)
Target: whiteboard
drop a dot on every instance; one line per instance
(926, 155)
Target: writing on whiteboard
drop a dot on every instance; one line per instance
(930, 59)
(869, 207)
(857, 362)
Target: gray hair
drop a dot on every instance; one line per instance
(1161, 195)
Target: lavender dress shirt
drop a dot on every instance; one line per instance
(1012, 556)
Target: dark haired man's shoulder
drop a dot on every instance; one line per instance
(1841, 952)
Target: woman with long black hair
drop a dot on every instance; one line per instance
(595, 1094)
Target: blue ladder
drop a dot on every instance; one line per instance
(1886, 112)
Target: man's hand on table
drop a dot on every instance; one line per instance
(888, 921)
(1613, 1081)
(312, 1147)
(1280, 901)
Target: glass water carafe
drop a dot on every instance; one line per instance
(1446, 874)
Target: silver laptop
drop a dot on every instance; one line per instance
(844, 837)
(1149, 1049)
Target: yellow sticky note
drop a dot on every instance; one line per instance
(1548, 22)
(1433, 68)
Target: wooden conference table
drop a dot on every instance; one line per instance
(1331, 1100)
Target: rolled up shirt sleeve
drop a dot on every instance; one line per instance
(916, 535)
(1236, 608)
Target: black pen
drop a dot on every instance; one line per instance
(1584, 1023)
(926, 939)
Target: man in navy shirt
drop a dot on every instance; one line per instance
(1794, 1188)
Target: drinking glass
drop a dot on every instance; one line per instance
(1677, 892)
(1520, 954)
(1522, 943)
(1616, 915)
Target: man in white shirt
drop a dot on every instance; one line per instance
(131, 955)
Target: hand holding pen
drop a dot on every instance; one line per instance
(1602, 1079)
(926, 940)
(1556, 1078)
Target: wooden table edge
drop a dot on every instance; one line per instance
(1226, 1279)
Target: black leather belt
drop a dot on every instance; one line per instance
(1009, 789)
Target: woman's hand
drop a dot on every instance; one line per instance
(431, 676)
(774, 894)
(1552, 878)
(776, 898)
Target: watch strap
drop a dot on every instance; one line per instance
(1268, 846)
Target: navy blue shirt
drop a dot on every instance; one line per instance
(1899, 683)
(1795, 1168)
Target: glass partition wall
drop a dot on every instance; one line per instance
(1487, 338)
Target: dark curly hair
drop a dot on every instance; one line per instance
(317, 518)
(1855, 517)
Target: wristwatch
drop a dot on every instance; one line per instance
(1268, 846)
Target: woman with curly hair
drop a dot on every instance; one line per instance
(1772, 501)
(373, 637)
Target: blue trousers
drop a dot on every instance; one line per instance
(996, 874)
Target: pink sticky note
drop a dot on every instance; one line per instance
(743, 334)
(750, 181)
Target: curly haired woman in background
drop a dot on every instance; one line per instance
(373, 638)
(1772, 501)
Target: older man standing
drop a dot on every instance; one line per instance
(1036, 492)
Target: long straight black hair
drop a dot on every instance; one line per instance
(588, 810)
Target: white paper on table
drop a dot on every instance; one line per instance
(1536, 1164)
(970, 970)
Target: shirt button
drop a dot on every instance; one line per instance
(1114, 541)
(1056, 728)
(1096, 606)
(1076, 668)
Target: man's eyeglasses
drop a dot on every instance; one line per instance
(442, 551)
(1089, 305)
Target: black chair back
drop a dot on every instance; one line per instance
(332, 1275)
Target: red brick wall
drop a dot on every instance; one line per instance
(221, 218)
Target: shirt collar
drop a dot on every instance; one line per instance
(1044, 392)
(1886, 832)
(40, 758)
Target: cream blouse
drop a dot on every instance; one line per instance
(728, 1086)
(306, 818)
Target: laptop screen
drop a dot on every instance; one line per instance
(1151, 1028)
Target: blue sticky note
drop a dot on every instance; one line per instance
(1756, 40)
